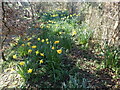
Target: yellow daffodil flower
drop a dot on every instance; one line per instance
(56, 42)
(41, 54)
(60, 32)
(41, 26)
(54, 22)
(28, 43)
(22, 63)
(37, 52)
(53, 47)
(47, 42)
(38, 39)
(70, 15)
(47, 26)
(14, 56)
(30, 70)
(41, 61)
(42, 40)
(34, 46)
(29, 39)
(74, 33)
(12, 69)
(29, 51)
(16, 43)
(23, 45)
(59, 51)
(46, 39)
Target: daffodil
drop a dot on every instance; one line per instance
(74, 14)
(15, 56)
(47, 26)
(22, 63)
(28, 43)
(56, 42)
(23, 45)
(12, 69)
(41, 26)
(30, 70)
(70, 15)
(47, 42)
(54, 22)
(59, 51)
(16, 43)
(38, 39)
(29, 51)
(41, 61)
(53, 15)
(41, 54)
(37, 52)
(46, 39)
(53, 47)
(29, 39)
(42, 40)
(34, 46)
(74, 33)
(60, 32)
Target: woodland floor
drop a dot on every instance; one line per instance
(100, 79)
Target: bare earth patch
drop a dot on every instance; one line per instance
(9, 79)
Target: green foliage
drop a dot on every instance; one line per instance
(83, 35)
(111, 57)
(76, 82)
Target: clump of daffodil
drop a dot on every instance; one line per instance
(28, 43)
(22, 63)
(53, 47)
(56, 42)
(37, 52)
(41, 61)
(38, 39)
(29, 51)
(59, 51)
(74, 33)
(14, 56)
(23, 45)
(41, 54)
(42, 40)
(34, 46)
(29, 70)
